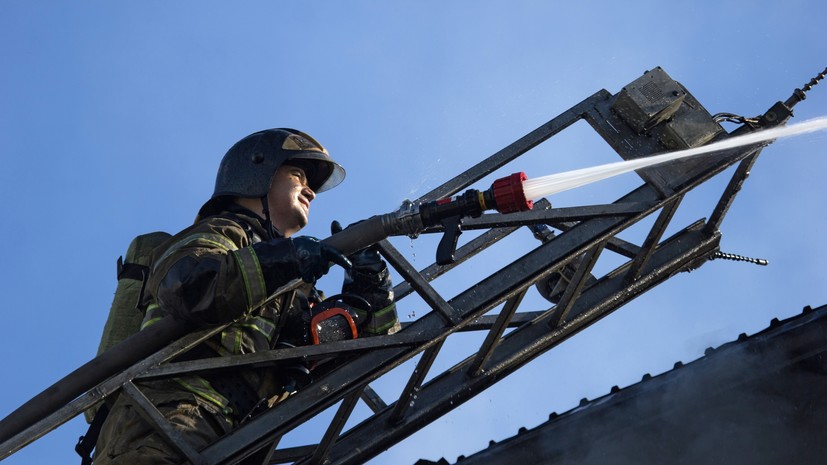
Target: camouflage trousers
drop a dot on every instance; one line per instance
(127, 439)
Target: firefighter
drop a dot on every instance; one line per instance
(241, 249)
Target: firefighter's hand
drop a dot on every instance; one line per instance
(314, 258)
(305, 257)
(365, 259)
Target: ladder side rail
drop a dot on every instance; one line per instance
(98, 392)
(473, 302)
(454, 386)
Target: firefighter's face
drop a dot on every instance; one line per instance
(289, 200)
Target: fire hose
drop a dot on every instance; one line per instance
(505, 196)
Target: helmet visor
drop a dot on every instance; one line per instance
(322, 172)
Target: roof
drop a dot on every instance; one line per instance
(756, 400)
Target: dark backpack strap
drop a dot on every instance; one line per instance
(86, 443)
(137, 272)
(131, 270)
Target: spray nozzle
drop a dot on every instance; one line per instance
(506, 195)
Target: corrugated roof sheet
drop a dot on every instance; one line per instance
(758, 399)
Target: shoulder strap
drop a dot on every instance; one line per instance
(86, 443)
(127, 270)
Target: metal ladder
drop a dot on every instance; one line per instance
(570, 239)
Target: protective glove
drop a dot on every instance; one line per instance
(370, 279)
(365, 260)
(305, 257)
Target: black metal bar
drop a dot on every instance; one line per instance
(372, 399)
(678, 253)
(152, 416)
(732, 189)
(652, 239)
(273, 357)
(592, 226)
(493, 336)
(615, 244)
(271, 449)
(522, 345)
(554, 215)
(408, 397)
(94, 394)
(473, 247)
(303, 405)
(572, 292)
(473, 303)
(336, 425)
(417, 282)
(463, 253)
(543, 315)
(517, 148)
(486, 322)
(291, 454)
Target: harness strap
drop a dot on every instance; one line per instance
(86, 443)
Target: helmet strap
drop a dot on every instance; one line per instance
(268, 223)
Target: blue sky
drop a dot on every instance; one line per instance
(114, 116)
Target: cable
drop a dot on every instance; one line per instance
(733, 118)
(799, 94)
(739, 258)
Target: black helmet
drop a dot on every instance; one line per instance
(248, 167)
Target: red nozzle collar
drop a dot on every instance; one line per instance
(509, 195)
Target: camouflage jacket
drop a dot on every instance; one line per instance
(209, 274)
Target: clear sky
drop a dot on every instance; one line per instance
(114, 116)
